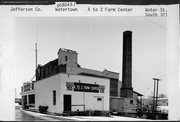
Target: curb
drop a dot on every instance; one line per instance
(38, 115)
(48, 117)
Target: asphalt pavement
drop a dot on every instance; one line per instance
(22, 116)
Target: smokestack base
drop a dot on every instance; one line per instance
(127, 92)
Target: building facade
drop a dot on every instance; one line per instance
(162, 102)
(66, 92)
(28, 94)
(67, 63)
(63, 85)
(53, 81)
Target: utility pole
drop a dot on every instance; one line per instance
(36, 53)
(36, 47)
(157, 95)
(154, 93)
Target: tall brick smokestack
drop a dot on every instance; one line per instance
(126, 88)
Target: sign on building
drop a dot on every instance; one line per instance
(85, 87)
(28, 87)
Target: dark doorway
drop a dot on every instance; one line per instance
(24, 100)
(32, 99)
(67, 103)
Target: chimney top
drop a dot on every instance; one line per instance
(126, 32)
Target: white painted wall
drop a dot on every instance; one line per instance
(77, 97)
(44, 95)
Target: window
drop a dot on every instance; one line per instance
(22, 89)
(54, 97)
(32, 86)
(46, 73)
(66, 58)
(131, 101)
(99, 99)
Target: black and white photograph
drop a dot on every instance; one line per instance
(75, 61)
(91, 68)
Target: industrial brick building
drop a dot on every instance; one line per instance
(63, 85)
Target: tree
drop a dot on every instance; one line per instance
(162, 96)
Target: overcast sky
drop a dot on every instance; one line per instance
(98, 41)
